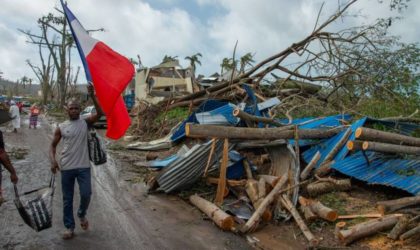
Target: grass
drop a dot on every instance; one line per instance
(334, 201)
(178, 114)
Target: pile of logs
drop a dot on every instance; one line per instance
(368, 139)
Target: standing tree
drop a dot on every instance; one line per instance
(226, 65)
(194, 59)
(246, 60)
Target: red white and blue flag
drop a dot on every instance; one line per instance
(109, 72)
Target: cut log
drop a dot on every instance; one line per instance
(393, 205)
(319, 209)
(413, 232)
(390, 148)
(367, 228)
(305, 230)
(214, 131)
(399, 228)
(369, 134)
(306, 210)
(221, 186)
(354, 145)
(338, 146)
(324, 169)
(252, 118)
(252, 223)
(222, 219)
(270, 179)
(318, 188)
(324, 212)
(305, 173)
(231, 183)
(354, 216)
(338, 227)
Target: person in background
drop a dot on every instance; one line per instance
(20, 106)
(5, 161)
(33, 117)
(14, 113)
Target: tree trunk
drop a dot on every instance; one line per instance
(306, 210)
(214, 131)
(262, 192)
(319, 209)
(390, 148)
(252, 223)
(222, 219)
(369, 134)
(400, 228)
(354, 145)
(252, 118)
(413, 232)
(367, 228)
(393, 205)
(324, 169)
(318, 188)
(305, 173)
(330, 156)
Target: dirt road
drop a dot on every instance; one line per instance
(121, 216)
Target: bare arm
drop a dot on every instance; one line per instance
(94, 118)
(53, 149)
(4, 159)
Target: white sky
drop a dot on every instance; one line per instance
(154, 28)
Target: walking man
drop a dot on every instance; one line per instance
(15, 114)
(5, 161)
(74, 162)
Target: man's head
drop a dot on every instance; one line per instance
(73, 109)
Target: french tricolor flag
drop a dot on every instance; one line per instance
(109, 72)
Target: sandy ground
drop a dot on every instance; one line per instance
(121, 215)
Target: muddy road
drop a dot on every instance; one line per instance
(121, 215)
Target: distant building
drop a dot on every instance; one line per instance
(161, 81)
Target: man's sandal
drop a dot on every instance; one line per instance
(68, 234)
(84, 223)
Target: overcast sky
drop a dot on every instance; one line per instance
(154, 28)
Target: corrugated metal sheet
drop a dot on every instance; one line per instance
(395, 172)
(220, 116)
(187, 169)
(384, 169)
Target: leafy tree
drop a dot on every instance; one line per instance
(227, 64)
(167, 58)
(246, 60)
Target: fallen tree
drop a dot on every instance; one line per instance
(368, 134)
(393, 205)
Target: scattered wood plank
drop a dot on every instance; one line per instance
(368, 134)
(252, 223)
(303, 227)
(324, 169)
(393, 205)
(222, 178)
(305, 173)
(213, 147)
(220, 218)
(247, 169)
(367, 228)
(231, 183)
(214, 131)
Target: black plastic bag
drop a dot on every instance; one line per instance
(97, 154)
(35, 207)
